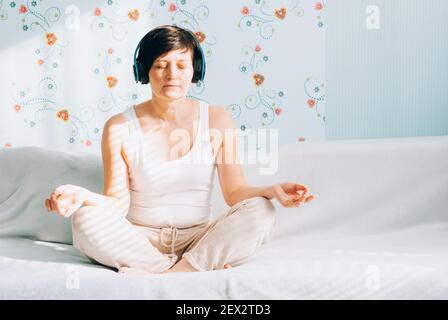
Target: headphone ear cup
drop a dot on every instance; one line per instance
(134, 68)
(142, 77)
(199, 69)
(196, 71)
(202, 69)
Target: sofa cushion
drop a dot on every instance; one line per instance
(28, 176)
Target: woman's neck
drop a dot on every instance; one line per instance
(169, 111)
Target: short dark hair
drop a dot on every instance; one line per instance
(163, 39)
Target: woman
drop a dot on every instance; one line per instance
(154, 213)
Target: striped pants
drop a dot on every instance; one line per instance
(112, 240)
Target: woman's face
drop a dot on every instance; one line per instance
(171, 74)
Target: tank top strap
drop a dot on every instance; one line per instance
(204, 121)
(129, 118)
(134, 126)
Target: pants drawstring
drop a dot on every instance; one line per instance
(173, 238)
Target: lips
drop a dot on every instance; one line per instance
(171, 85)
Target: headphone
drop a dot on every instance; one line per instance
(198, 63)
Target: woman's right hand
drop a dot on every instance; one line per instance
(66, 199)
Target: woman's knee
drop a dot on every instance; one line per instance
(82, 216)
(261, 206)
(79, 221)
(262, 213)
(265, 217)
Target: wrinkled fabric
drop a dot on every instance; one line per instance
(377, 229)
(233, 237)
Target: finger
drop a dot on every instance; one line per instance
(291, 203)
(300, 193)
(300, 187)
(297, 197)
(308, 199)
(302, 197)
(48, 204)
(58, 191)
(55, 203)
(296, 203)
(52, 203)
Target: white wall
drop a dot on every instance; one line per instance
(96, 39)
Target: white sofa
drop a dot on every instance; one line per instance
(377, 229)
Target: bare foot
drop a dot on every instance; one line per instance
(181, 266)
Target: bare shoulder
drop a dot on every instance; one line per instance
(220, 117)
(116, 135)
(118, 123)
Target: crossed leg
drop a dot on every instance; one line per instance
(110, 239)
(234, 236)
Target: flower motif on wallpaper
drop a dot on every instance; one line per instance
(36, 19)
(315, 92)
(319, 7)
(44, 108)
(254, 64)
(62, 114)
(264, 14)
(268, 105)
(120, 16)
(107, 72)
(190, 16)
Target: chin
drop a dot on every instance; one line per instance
(174, 95)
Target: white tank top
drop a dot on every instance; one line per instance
(173, 193)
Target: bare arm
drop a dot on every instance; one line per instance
(252, 191)
(231, 177)
(115, 166)
(66, 199)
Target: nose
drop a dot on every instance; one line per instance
(172, 71)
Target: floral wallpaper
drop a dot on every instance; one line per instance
(66, 66)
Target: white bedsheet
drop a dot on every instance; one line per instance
(378, 229)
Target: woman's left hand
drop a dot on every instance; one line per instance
(291, 194)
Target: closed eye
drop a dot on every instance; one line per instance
(163, 67)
